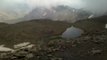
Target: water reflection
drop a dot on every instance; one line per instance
(72, 32)
(106, 26)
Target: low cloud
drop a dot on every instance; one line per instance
(94, 6)
(50, 3)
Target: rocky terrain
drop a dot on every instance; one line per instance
(47, 43)
(90, 46)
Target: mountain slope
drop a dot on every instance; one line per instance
(31, 31)
(63, 13)
(92, 24)
(44, 33)
(43, 28)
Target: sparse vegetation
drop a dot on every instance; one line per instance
(45, 35)
(88, 46)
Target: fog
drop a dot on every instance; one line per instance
(14, 9)
(95, 6)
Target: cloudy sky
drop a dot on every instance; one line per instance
(48, 3)
(95, 6)
(22, 7)
(86, 4)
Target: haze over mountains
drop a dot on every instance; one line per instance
(61, 12)
(12, 10)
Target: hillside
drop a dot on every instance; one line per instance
(31, 31)
(39, 29)
(45, 34)
(93, 24)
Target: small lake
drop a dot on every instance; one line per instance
(106, 26)
(72, 32)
